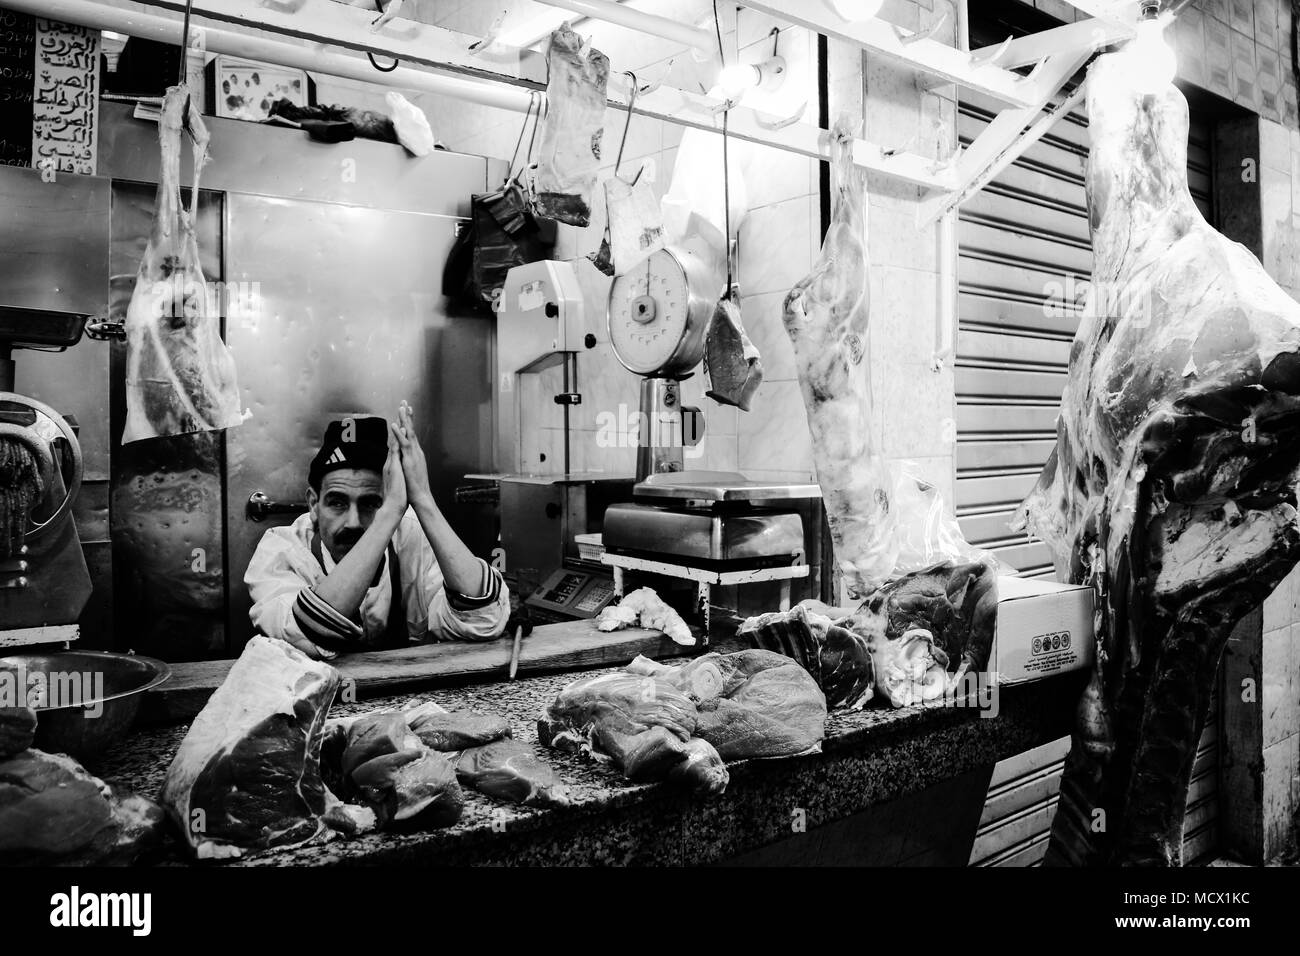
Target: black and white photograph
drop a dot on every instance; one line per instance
(628, 435)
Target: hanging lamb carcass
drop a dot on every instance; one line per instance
(1172, 486)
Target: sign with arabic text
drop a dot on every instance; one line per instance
(65, 101)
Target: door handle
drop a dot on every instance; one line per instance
(260, 507)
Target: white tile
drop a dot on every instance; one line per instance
(918, 409)
(1274, 144)
(774, 435)
(776, 246)
(763, 317)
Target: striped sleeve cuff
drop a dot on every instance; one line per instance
(489, 591)
(318, 620)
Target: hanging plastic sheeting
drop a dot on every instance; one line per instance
(21, 488)
(569, 156)
(180, 377)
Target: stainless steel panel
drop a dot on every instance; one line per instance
(721, 486)
(271, 161)
(348, 320)
(702, 535)
(53, 241)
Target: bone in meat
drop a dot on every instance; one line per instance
(826, 317)
(180, 376)
(1171, 489)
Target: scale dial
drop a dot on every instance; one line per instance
(659, 313)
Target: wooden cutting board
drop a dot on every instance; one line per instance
(570, 645)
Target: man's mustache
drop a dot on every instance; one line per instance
(347, 537)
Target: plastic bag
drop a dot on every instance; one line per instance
(180, 377)
(636, 226)
(927, 533)
(410, 123)
(569, 156)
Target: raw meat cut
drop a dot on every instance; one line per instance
(899, 643)
(458, 730)
(569, 154)
(180, 376)
(17, 729)
(414, 787)
(734, 366)
(645, 607)
(1172, 486)
(53, 812)
(374, 736)
(509, 770)
(247, 775)
(826, 317)
(683, 722)
(640, 723)
(754, 704)
(838, 659)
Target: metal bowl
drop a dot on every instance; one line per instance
(90, 698)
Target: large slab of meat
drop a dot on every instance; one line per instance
(826, 317)
(52, 812)
(1172, 486)
(682, 723)
(247, 775)
(180, 377)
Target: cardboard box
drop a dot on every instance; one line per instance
(1043, 629)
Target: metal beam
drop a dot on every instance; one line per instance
(1025, 50)
(1004, 140)
(917, 52)
(648, 23)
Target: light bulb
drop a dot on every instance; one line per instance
(855, 10)
(1153, 61)
(735, 80)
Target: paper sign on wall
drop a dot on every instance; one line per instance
(65, 103)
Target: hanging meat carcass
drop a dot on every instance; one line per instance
(826, 317)
(1172, 486)
(180, 377)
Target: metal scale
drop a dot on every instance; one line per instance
(44, 585)
(711, 528)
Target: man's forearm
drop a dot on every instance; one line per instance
(461, 571)
(345, 586)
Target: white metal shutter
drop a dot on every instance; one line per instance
(1024, 248)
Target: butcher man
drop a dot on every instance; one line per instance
(373, 563)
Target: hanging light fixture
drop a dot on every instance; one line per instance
(1154, 63)
(855, 10)
(737, 79)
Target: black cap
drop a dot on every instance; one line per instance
(350, 443)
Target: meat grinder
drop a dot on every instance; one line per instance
(44, 583)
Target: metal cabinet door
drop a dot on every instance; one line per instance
(341, 313)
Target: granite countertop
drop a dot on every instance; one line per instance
(869, 756)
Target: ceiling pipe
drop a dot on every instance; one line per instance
(625, 16)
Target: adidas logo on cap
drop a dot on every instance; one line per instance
(337, 457)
